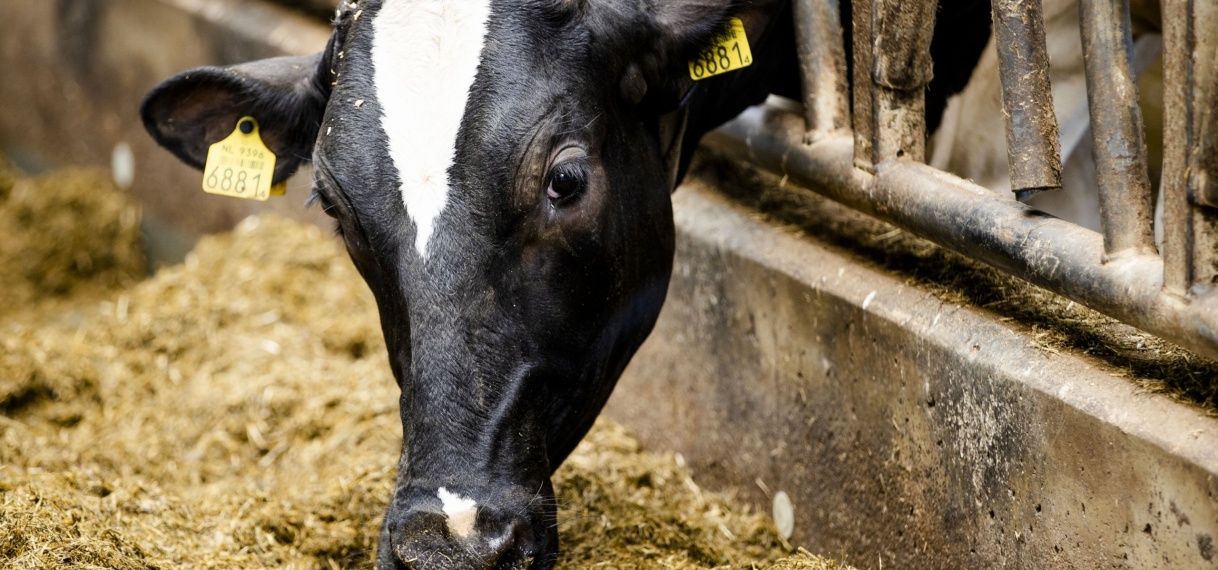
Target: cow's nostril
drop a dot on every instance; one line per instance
(512, 547)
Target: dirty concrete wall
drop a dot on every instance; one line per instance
(910, 432)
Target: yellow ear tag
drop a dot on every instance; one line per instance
(240, 165)
(729, 51)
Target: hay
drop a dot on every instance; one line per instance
(66, 233)
(627, 509)
(236, 411)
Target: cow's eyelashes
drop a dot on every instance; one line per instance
(567, 180)
(327, 207)
(322, 192)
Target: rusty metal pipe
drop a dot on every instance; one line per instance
(969, 219)
(1116, 127)
(1177, 108)
(1190, 245)
(1033, 144)
(861, 54)
(822, 66)
(892, 68)
(901, 70)
(1204, 170)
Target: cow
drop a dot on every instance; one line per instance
(500, 172)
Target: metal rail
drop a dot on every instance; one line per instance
(1190, 251)
(1055, 254)
(891, 72)
(1034, 152)
(822, 56)
(876, 169)
(1116, 125)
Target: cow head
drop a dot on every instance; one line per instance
(500, 174)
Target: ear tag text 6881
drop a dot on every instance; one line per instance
(729, 51)
(241, 166)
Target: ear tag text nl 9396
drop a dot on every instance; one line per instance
(241, 166)
(729, 51)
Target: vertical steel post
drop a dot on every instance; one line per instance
(901, 70)
(1202, 171)
(862, 119)
(1190, 245)
(892, 68)
(1033, 142)
(822, 66)
(1116, 127)
(1204, 168)
(1177, 107)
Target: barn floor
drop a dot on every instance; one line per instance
(236, 411)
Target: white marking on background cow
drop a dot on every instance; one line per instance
(460, 511)
(425, 54)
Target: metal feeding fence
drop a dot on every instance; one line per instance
(877, 167)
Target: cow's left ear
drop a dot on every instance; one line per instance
(195, 109)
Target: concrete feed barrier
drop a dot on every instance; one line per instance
(909, 432)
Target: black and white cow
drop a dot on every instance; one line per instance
(500, 172)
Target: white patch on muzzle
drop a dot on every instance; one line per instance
(425, 55)
(460, 511)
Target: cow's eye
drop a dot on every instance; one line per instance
(567, 179)
(319, 198)
(322, 196)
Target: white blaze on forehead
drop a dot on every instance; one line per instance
(425, 55)
(460, 512)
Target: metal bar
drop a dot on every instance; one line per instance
(861, 113)
(1205, 250)
(1202, 172)
(822, 66)
(967, 218)
(1116, 126)
(1177, 121)
(900, 71)
(1033, 143)
(1190, 248)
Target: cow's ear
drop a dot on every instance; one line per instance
(679, 29)
(191, 111)
(689, 22)
(686, 27)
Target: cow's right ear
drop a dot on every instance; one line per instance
(189, 112)
(685, 28)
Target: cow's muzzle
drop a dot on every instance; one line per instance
(452, 530)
